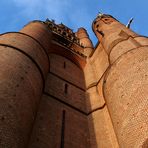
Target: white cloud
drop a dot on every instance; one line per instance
(52, 8)
(32, 8)
(74, 13)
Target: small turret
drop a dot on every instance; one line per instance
(110, 32)
(85, 41)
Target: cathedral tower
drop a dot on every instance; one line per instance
(58, 91)
(125, 81)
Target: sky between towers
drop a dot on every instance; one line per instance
(15, 14)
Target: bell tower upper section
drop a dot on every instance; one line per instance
(105, 25)
(111, 33)
(102, 23)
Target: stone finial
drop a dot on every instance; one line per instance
(100, 14)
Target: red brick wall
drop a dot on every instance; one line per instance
(23, 68)
(48, 125)
(71, 72)
(74, 95)
(20, 89)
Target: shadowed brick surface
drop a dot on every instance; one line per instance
(47, 130)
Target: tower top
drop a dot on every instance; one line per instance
(65, 36)
(102, 15)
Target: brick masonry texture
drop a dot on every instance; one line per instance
(22, 75)
(128, 103)
(125, 81)
(20, 89)
(53, 97)
(74, 96)
(67, 70)
(24, 42)
(49, 118)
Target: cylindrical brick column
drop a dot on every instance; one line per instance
(85, 41)
(126, 94)
(126, 81)
(40, 32)
(24, 65)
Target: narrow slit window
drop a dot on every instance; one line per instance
(64, 64)
(63, 129)
(66, 88)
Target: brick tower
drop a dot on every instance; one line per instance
(58, 91)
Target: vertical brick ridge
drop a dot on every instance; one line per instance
(23, 66)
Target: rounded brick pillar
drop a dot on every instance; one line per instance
(40, 32)
(24, 65)
(126, 94)
(85, 41)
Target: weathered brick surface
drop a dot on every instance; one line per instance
(82, 97)
(101, 130)
(112, 32)
(99, 62)
(96, 66)
(125, 85)
(142, 40)
(58, 49)
(122, 48)
(24, 43)
(40, 32)
(23, 68)
(85, 41)
(127, 98)
(20, 89)
(95, 97)
(66, 69)
(47, 129)
(74, 96)
(90, 75)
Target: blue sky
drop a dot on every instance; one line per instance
(14, 14)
